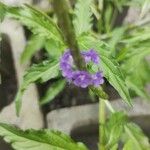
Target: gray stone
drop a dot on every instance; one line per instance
(30, 116)
(132, 15)
(68, 119)
(16, 2)
(41, 4)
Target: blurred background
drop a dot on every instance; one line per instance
(68, 108)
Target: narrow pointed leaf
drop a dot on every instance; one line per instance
(38, 140)
(37, 73)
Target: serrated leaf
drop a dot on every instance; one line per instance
(53, 91)
(37, 73)
(145, 8)
(2, 11)
(53, 48)
(137, 70)
(135, 58)
(38, 140)
(116, 80)
(137, 36)
(114, 128)
(34, 44)
(115, 39)
(82, 19)
(110, 67)
(137, 137)
(37, 21)
(108, 17)
(139, 90)
(129, 145)
(115, 147)
(95, 10)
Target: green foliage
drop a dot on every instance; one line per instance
(110, 67)
(45, 30)
(38, 140)
(145, 8)
(122, 62)
(83, 16)
(135, 138)
(37, 73)
(35, 43)
(2, 11)
(54, 48)
(113, 41)
(37, 21)
(53, 91)
(114, 128)
(133, 61)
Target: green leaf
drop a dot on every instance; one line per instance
(53, 48)
(83, 16)
(137, 70)
(136, 137)
(114, 40)
(109, 66)
(53, 91)
(145, 8)
(115, 128)
(37, 73)
(94, 10)
(116, 80)
(135, 58)
(108, 17)
(34, 44)
(38, 140)
(37, 21)
(138, 89)
(2, 11)
(129, 145)
(137, 36)
(115, 147)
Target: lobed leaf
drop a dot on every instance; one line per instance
(136, 138)
(34, 44)
(83, 16)
(37, 73)
(2, 11)
(54, 48)
(110, 67)
(38, 140)
(53, 91)
(114, 128)
(37, 21)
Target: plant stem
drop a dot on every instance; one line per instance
(62, 11)
(102, 118)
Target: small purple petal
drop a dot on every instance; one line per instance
(81, 78)
(97, 79)
(64, 66)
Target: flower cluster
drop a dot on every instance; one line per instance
(81, 78)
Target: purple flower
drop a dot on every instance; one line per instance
(91, 55)
(81, 78)
(97, 79)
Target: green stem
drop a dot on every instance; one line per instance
(62, 11)
(102, 118)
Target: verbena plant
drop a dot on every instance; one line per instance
(122, 52)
